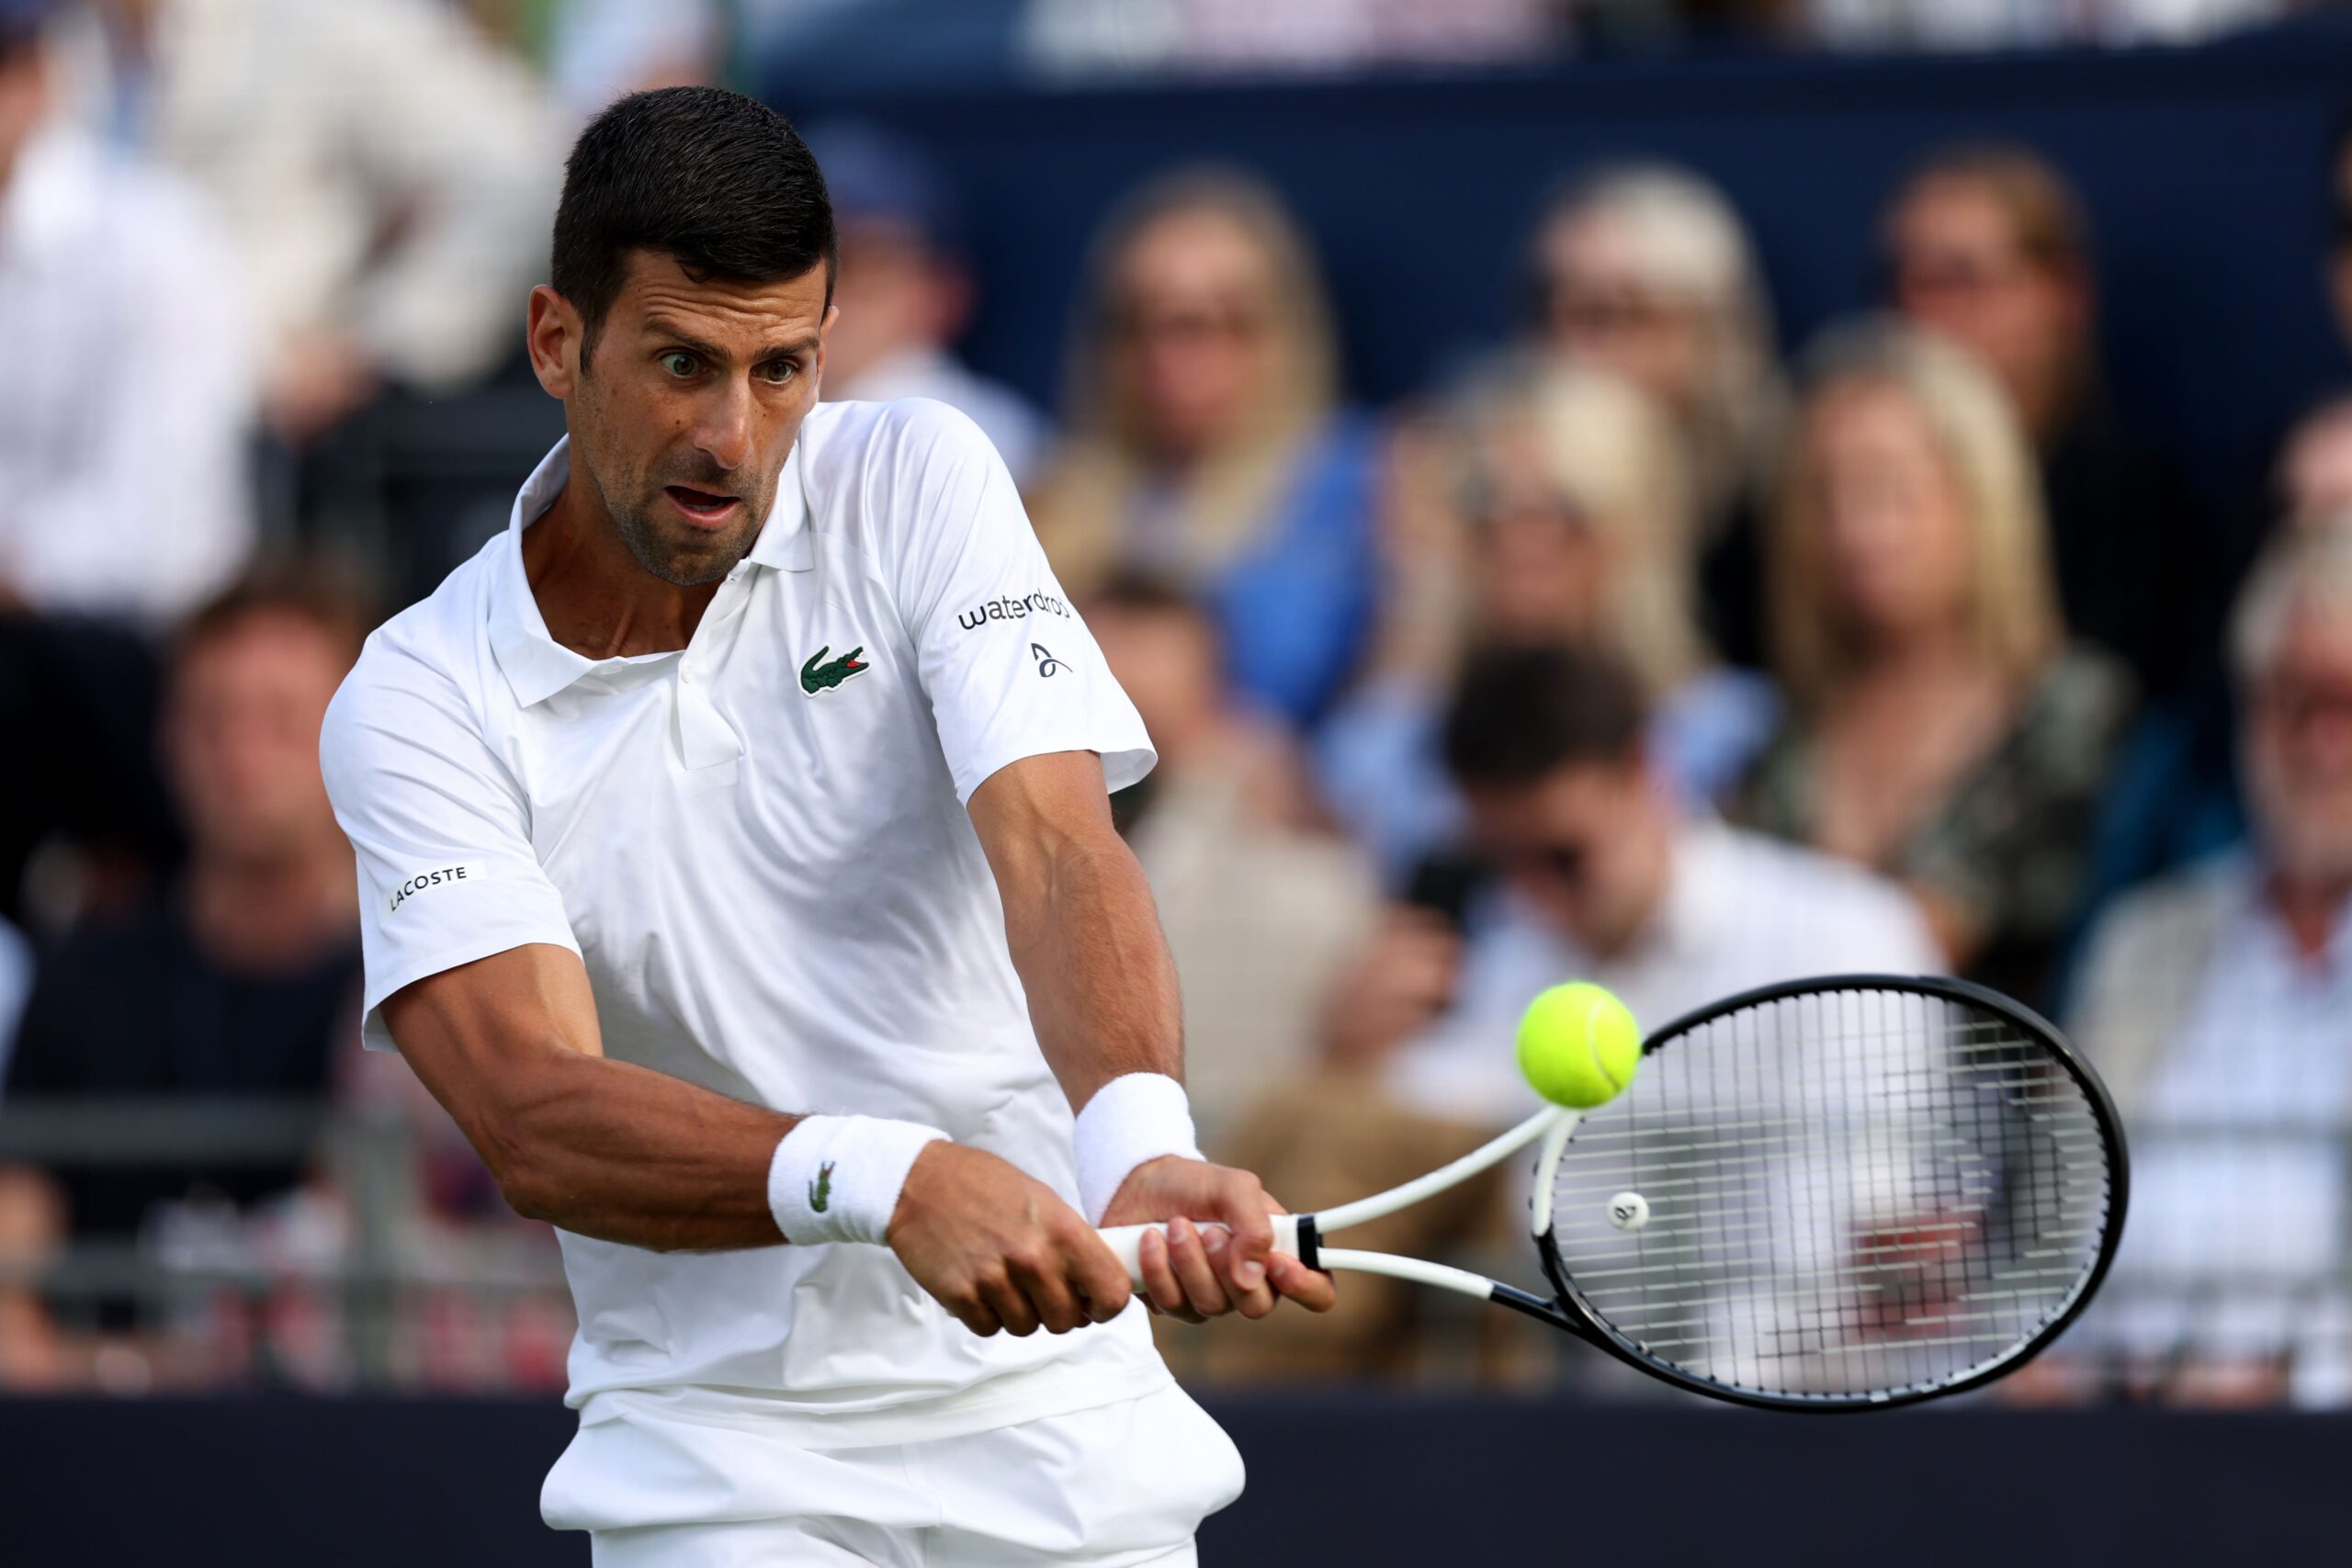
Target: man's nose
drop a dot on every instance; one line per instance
(725, 431)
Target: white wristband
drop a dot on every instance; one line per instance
(837, 1178)
(1130, 1120)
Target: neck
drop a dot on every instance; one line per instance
(595, 598)
(274, 908)
(2309, 907)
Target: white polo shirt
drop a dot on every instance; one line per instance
(759, 849)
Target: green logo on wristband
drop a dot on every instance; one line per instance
(821, 1192)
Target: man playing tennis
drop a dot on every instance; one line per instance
(737, 866)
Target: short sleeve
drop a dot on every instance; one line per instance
(440, 828)
(1009, 669)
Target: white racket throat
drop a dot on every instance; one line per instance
(1300, 1235)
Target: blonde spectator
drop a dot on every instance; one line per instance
(1645, 269)
(1209, 446)
(1567, 518)
(1940, 730)
(2215, 1002)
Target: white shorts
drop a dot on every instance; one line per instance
(1124, 1485)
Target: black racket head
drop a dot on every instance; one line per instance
(1846, 1193)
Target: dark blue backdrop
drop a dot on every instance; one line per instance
(2206, 173)
(1368, 1480)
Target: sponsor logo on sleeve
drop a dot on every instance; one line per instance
(1011, 607)
(1048, 665)
(438, 876)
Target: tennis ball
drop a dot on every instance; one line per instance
(1577, 1045)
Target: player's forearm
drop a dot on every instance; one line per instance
(617, 1152)
(1101, 985)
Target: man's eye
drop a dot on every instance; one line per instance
(777, 372)
(678, 362)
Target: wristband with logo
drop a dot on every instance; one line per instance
(837, 1178)
(1130, 1121)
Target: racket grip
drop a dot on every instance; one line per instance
(1127, 1241)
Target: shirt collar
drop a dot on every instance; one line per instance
(537, 666)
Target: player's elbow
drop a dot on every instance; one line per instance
(518, 1162)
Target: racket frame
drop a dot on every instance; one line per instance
(1569, 1306)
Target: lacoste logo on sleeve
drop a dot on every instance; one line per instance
(1010, 607)
(821, 1192)
(437, 876)
(818, 676)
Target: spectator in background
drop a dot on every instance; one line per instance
(1939, 729)
(2215, 1003)
(905, 292)
(1602, 877)
(1645, 270)
(2315, 474)
(598, 50)
(1566, 517)
(1989, 248)
(244, 979)
(1208, 446)
(126, 409)
(1261, 902)
(388, 174)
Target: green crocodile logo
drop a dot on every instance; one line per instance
(818, 676)
(821, 1192)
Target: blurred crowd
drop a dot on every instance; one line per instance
(1636, 650)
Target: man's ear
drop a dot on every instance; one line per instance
(556, 337)
(824, 330)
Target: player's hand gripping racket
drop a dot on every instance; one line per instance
(1834, 1194)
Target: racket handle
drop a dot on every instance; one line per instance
(1127, 1241)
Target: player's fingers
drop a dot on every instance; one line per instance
(1296, 1281)
(1045, 1285)
(1203, 1286)
(1102, 1283)
(975, 1315)
(1011, 1308)
(1250, 1300)
(1159, 1282)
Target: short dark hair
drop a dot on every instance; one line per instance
(1522, 714)
(717, 180)
(302, 588)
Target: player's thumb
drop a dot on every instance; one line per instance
(1242, 1208)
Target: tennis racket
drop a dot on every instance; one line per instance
(1846, 1194)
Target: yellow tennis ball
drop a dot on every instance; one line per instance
(1578, 1045)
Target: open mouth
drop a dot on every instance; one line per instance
(703, 508)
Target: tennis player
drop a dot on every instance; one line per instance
(737, 871)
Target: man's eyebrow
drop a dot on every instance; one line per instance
(660, 326)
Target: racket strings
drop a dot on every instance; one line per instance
(1849, 1194)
